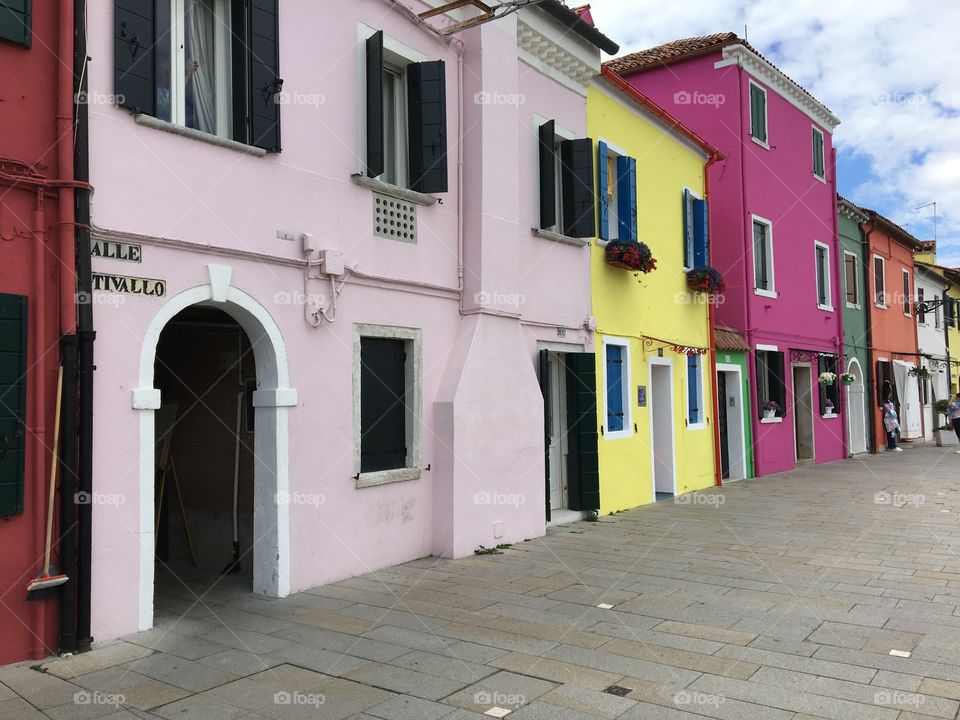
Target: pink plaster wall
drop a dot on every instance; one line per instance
(482, 412)
(777, 184)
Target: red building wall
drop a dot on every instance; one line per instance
(29, 215)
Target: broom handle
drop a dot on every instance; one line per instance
(53, 470)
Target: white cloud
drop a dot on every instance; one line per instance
(887, 69)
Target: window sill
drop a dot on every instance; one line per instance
(384, 477)
(761, 143)
(825, 308)
(820, 179)
(616, 435)
(851, 306)
(697, 426)
(394, 191)
(174, 129)
(560, 237)
(769, 421)
(830, 416)
(766, 293)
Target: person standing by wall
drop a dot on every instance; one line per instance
(891, 424)
(953, 415)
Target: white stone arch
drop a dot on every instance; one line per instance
(271, 400)
(856, 410)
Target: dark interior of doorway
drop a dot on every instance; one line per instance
(205, 373)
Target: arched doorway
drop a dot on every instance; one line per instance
(856, 410)
(270, 556)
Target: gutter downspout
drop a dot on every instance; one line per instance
(85, 331)
(840, 342)
(871, 380)
(68, 322)
(460, 51)
(711, 319)
(39, 431)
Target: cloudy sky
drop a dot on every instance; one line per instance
(889, 69)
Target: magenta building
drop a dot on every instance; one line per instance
(774, 230)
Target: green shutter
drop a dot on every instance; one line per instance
(758, 113)
(817, 153)
(15, 20)
(583, 468)
(13, 401)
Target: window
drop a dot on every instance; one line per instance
(936, 318)
(617, 191)
(15, 18)
(829, 394)
(208, 65)
(770, 381)
(406, 118)
(886, 385)
(949, 310)
(905, 276)
(696, 413)
(822, 256)
(387, 404)
(763, 257)
(921, 315)
(879, 282)
(758, 113)
(818, 163)
(851, 280)
(616, 355)
(13, 401)
(567, 200)
(696, 231)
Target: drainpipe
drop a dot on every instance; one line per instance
(840, 339)
(871, 380)
(39, 431)
(85, 332)
(748, 299)
(711, 318)
(460, 51)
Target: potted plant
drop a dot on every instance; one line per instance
(827, 378)
(630, 255)
(920, 372)
(943, 434)
(848, 378)
(829, 406)
(770, 409)
(706, 280)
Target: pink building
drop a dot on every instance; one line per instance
(774, 230)
(343, 335)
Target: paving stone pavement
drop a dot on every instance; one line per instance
(778, 598)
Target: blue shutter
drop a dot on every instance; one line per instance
(627, 198)
(614, 388)
(602, 190)
(701, 233)
(693, 389)
(688, 260)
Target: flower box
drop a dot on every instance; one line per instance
(706, 280)
(630, 255)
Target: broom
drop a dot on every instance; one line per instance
(42, 586)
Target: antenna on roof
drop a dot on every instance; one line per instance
(929, 204)
(745, 38)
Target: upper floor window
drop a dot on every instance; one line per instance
(696, 232)
(763, 257)
(818, 163)
(758, 113)
(921, 313)
(617, 194)
(567, 201)
(208, 65)
(406, 118)
(822, 258)
(15, 20)
(879, 282)
(905, 275)
(851, 280)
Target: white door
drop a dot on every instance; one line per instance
(558, 435)
(856, 411)
(661, 427)
(909, 391)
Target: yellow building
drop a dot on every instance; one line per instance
(654, 369)
(951, 311)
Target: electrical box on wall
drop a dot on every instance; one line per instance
(331, 262)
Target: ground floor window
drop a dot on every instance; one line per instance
(771, 387)
(387, 403)
(695, 405)
(617, 383)
(829, 394)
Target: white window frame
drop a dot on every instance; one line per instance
(823, 153)
(626, 385)
(766, 114)
(396, 56)
(771, 292)
(763, 384)
(826, 275)
(701, 401)
(880, 293)
(223, 69)
(694, 195)
(413, 342)
(909, 295)
(856, 280)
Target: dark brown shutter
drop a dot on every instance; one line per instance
(548, 175)
(133, 55)
(579, 198)
(264, 74)
(850, 273)
(583, 468)
(13, 401)
(375, 104)
(427, 108)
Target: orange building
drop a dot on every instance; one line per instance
(892, 330)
